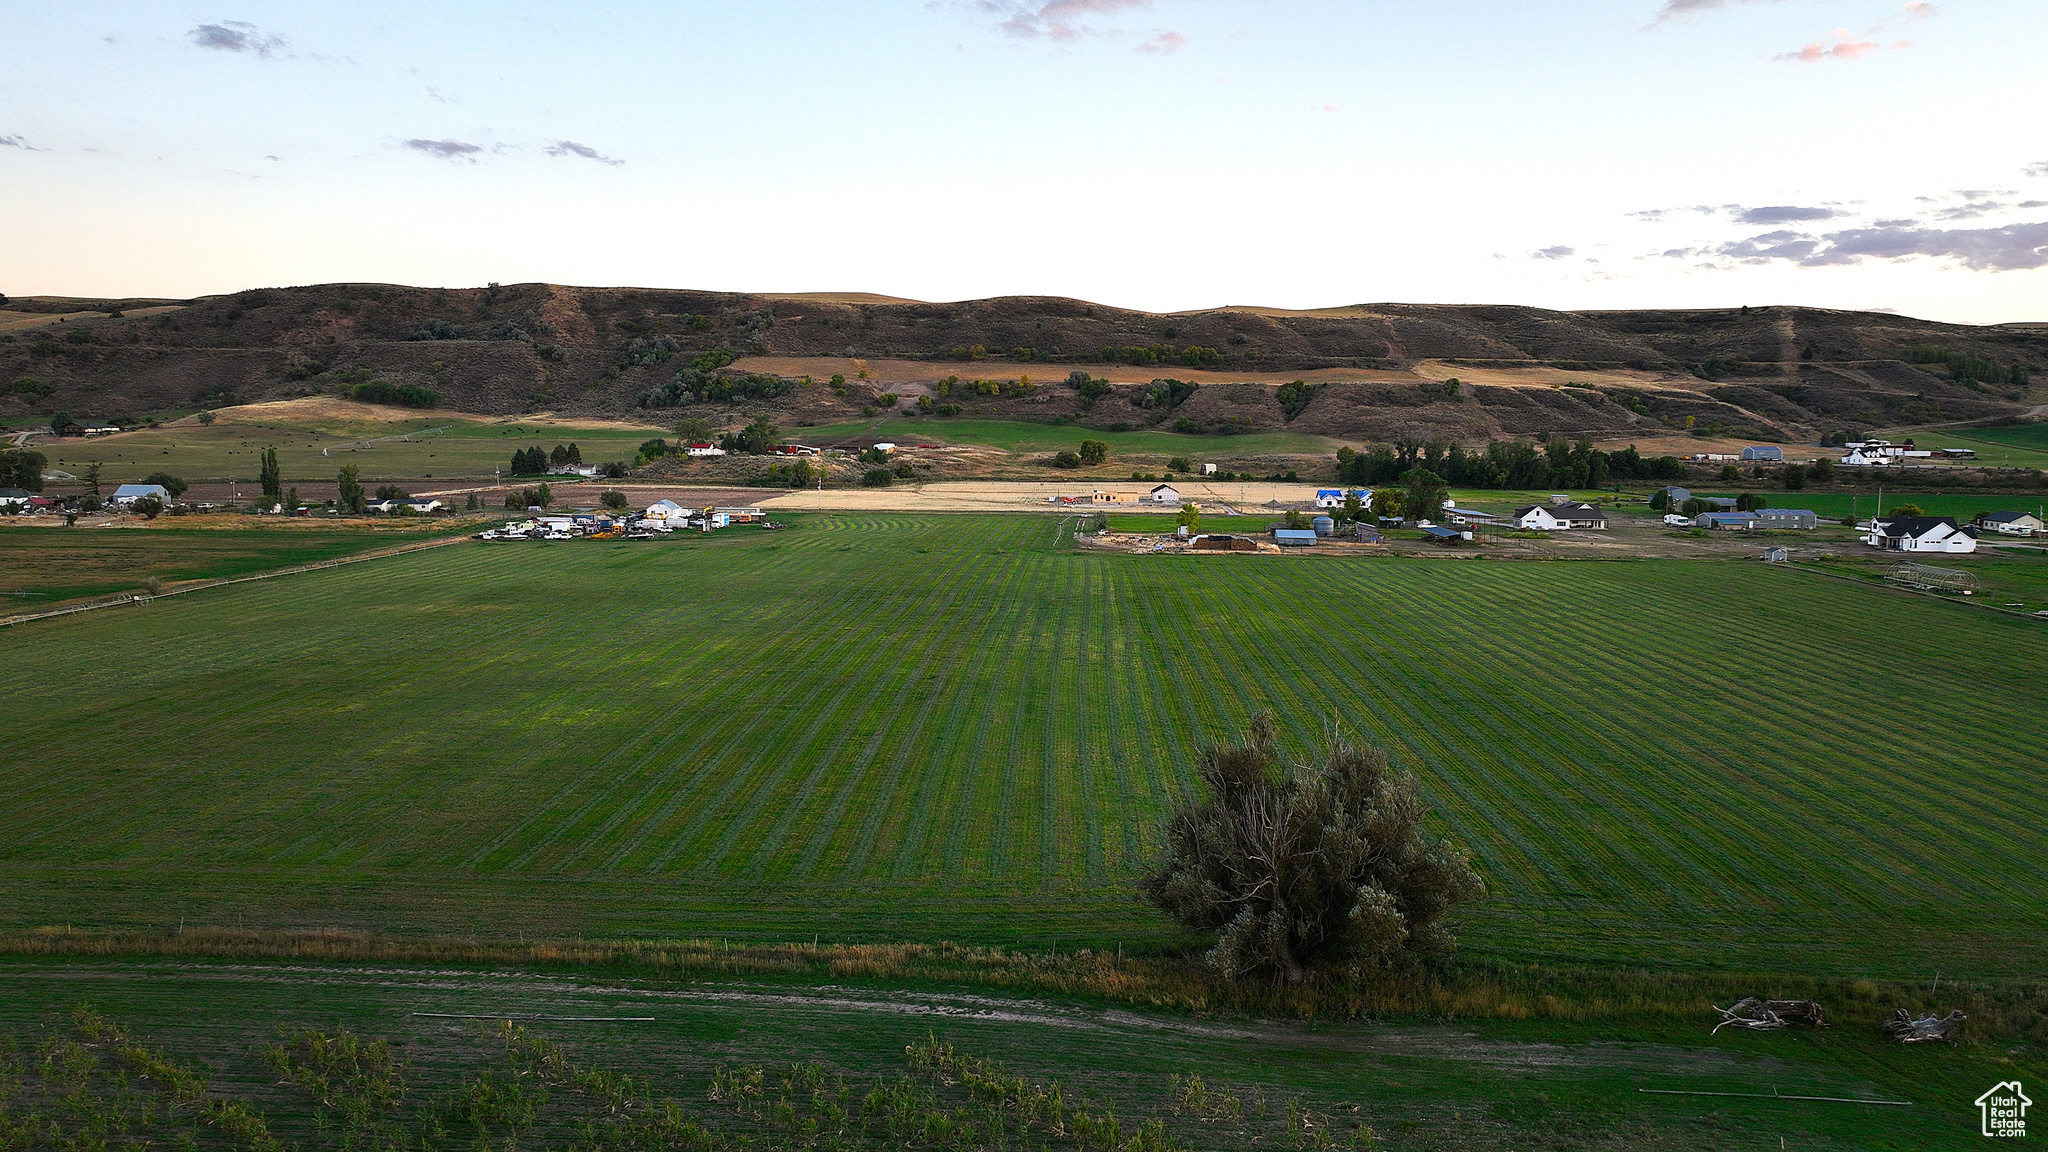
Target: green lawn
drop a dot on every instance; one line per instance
(894, 727)
(431, 446)
(1026, 436)
(41, 566)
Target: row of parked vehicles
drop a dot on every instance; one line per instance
(595, 526)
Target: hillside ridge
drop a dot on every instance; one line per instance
(1367, 371)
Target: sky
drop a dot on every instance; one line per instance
(1157, 154)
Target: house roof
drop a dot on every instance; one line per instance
(1441, 533)
(1293, 534)
(1989, 517)
(139, 490)
(1784, 512)
(15, 493)
(1917, 526)
(1165, 488)
(1718, 517)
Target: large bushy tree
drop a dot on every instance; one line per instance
(22, 468)
(1310, 868)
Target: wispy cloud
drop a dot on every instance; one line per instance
(18, 142)
(572, 148)
(2003, 249)
(238, 36)
(2040, 169)
(1815, 52)
(1920, 9)
(1554, 252)
(1052, 19)
(445, 149)
(1680, 9)
(1781, 214)
(1163, 44)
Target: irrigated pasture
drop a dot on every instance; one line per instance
(900, 727)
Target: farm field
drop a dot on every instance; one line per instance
(896, 727)
(385, 443)
(1412, 1085)
(2018, 446)
(42, 566)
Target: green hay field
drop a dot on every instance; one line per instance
(893, 727)
(440, 447)
(43, 566)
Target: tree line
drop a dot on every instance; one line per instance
(537, 461)
(1509, 464)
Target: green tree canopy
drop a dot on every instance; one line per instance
(1303, 869)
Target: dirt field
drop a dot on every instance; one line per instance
(326, 413)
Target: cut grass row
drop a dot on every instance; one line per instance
(892, 726)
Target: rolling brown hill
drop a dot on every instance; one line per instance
(1370, 371)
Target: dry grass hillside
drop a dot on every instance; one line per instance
(1367, 371)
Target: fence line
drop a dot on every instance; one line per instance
(137, 598)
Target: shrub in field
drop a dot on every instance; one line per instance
(1066, 459)
(876, 478)
(148, 507)
(1307, 868)
(614, 500)
(1094, 452)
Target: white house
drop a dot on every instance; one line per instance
(1164, 494)
(1335, 497)
(1560, 517)
(128, 494)
(423, 504)
(703, 450)
(1919, 534)
(1865, 458)
(667, 510)
(2003, 523)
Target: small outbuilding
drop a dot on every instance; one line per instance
(1294, 537)
(1764, 452)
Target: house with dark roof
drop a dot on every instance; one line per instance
(1920, 534)
(1164, 494)
(2003, 523)
(1561, 517)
